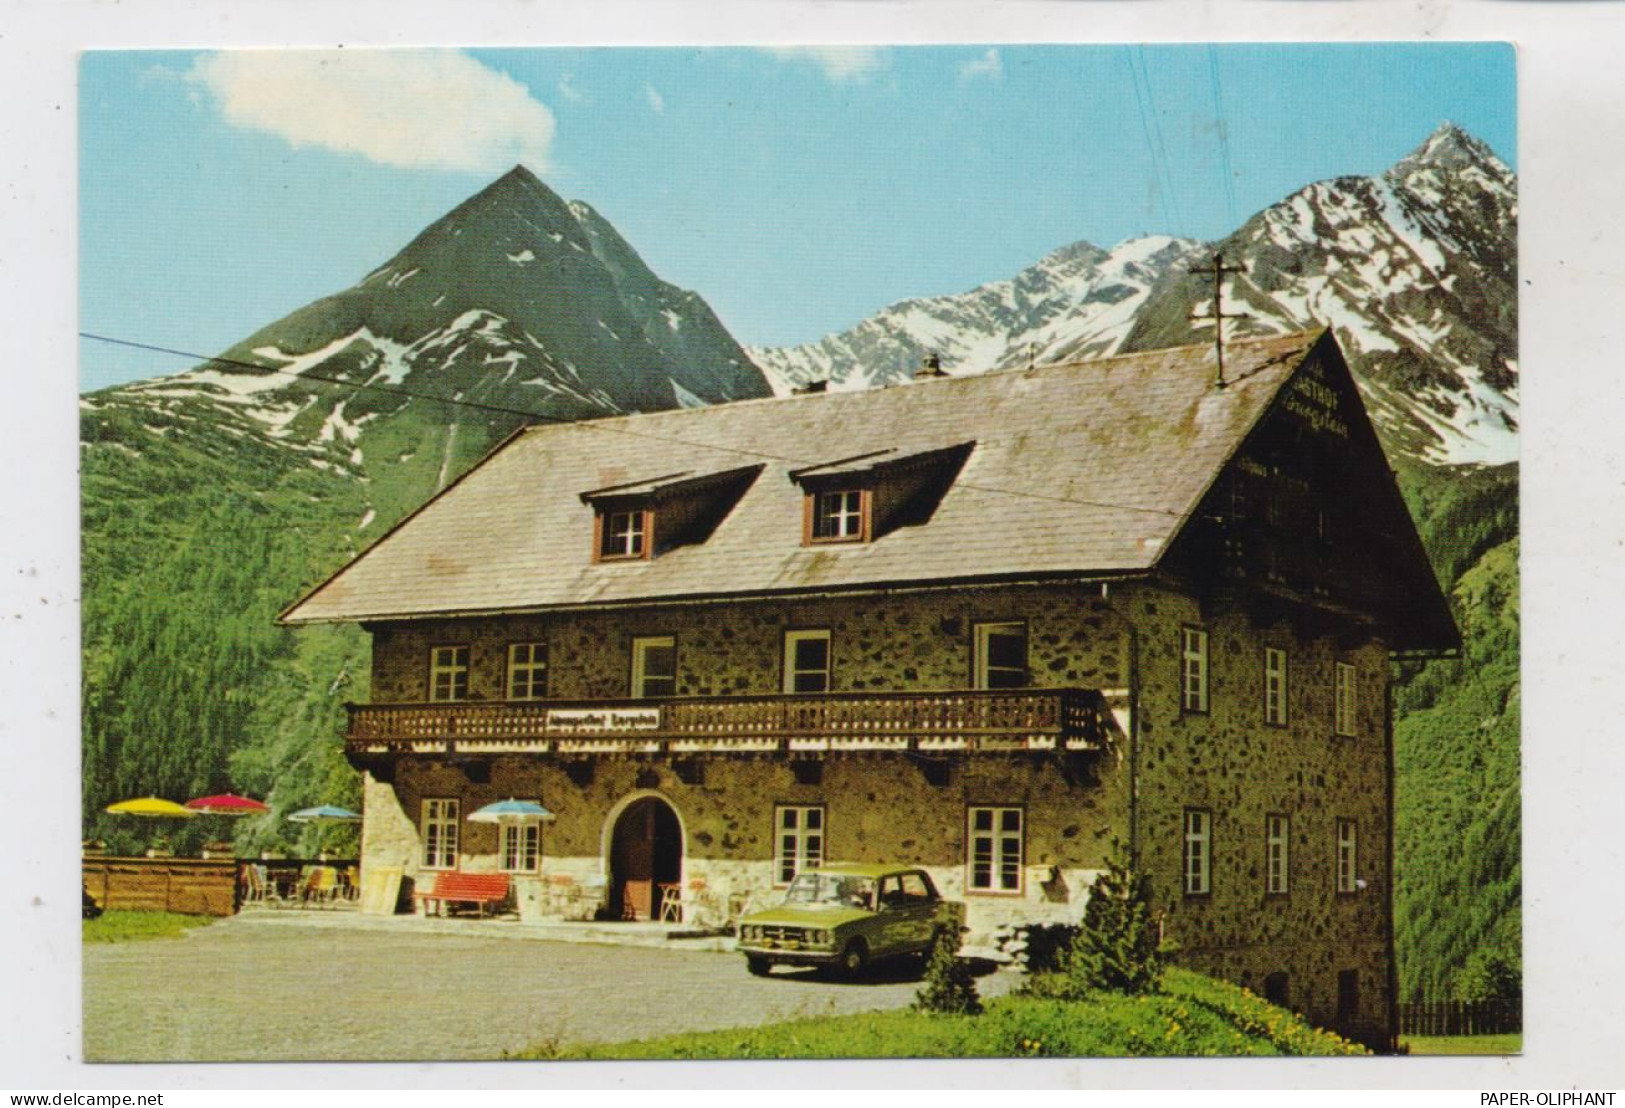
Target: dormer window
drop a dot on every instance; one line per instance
(862, 498)
(840, 515)
(639, 520)
(624, 534)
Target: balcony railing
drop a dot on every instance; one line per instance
(985, 720)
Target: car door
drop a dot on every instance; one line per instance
(920, 909)
(893, 930)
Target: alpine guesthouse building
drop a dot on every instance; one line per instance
(991, 625)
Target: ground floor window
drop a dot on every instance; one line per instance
(439, 827)
(1348, 994)
(995, 850)
(520, 847)
(1198, 853)
(1275, 989)
(798, 840)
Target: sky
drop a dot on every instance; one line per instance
(798, 190)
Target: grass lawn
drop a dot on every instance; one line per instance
(1193, 1015)
(119, 926)
(1464, 1044)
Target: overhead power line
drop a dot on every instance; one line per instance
(587, 424)
(1224, 134)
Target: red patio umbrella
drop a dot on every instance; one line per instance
(226, 804)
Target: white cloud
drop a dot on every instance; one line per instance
(839, 63)
(656, 101)
(989, 65)
(418, 109)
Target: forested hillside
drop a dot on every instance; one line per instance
(1458, 816)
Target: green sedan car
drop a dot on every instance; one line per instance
(845, 916)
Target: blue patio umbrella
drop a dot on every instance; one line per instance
(324, 813)
(511, 811)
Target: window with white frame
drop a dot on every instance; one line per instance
(654, 666)
(798, 840)
(806, 662)
(1198, 853)
(519, 847)
(1193, 669)
(1348, 880)
(624, 534)
(1344, 700)
(838, 515)
(448, 673)
(1277, 842)
(527, 670)
(1275, 686)
(439, 829)
(995, 850)
(1001, 656)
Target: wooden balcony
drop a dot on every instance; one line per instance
(982, 720)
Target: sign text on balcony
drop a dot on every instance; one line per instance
(575, 720)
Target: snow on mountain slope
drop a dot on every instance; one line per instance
(1078, 301)
(516, 299)
(1414, 269)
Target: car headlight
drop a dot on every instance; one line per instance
(821, 938)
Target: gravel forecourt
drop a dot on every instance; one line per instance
(260, 987)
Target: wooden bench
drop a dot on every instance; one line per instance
(455, 887)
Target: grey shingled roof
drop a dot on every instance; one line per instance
(1087, 467)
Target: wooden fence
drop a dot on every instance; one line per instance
(1461, 1017)
(192, 886)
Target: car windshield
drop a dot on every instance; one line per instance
(833, 889)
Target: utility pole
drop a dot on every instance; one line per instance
(1218, 270)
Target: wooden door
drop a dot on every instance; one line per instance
(646, 850)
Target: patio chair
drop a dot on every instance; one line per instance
(321, 885)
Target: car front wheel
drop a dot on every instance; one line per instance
(854, 958)
(758, 966)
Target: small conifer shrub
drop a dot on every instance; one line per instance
(1116, 949)
(948, 987)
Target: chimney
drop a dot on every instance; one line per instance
(810, 387)
(930, 366)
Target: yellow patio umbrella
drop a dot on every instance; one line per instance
(151, 806)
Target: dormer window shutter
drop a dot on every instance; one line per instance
(862, 498)
(640, 520)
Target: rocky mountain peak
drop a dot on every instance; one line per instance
(1451, 150)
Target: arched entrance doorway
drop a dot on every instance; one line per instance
(646, 851)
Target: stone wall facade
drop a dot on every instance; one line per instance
(1229, 763)
(885, 807)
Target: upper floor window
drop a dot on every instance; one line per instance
(1348, 880)
(439, 829)
(624, 535)
(654, 666)
(1343, 700)
(798, 840)
(840, 515)
(1274, 686)
(1193, 669)
(527, 670)
(1001, 656)
(1277, 841)
(448, 673)
(994, 849)
(1198, 852)
(806, 662)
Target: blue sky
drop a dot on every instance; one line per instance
(797, 191)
